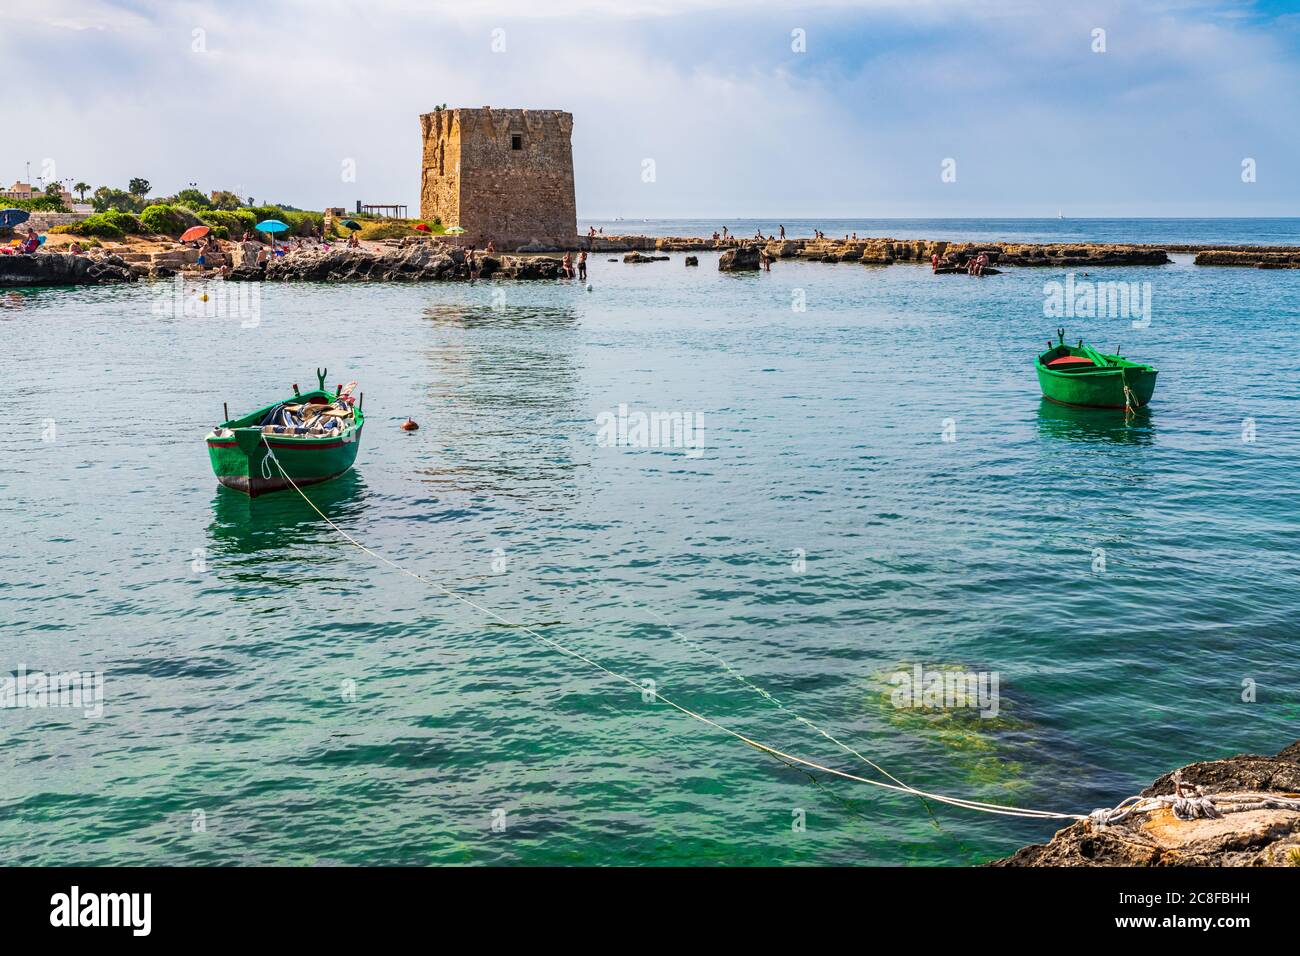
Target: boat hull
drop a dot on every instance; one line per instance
(306, 461)
(241, 454)
(1096, 387)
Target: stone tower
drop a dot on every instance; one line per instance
(504, 175)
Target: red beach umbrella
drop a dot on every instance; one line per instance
(194, 232)
(421, 226)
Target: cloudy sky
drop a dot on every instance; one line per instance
(273, 98)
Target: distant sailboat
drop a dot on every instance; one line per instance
(1058, 214)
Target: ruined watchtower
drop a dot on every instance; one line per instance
(504, 175)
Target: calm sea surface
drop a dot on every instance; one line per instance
(1174, 231)
(274, 689)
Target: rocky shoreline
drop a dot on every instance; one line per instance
(445, 259)
(1257, 836)
(53, 269)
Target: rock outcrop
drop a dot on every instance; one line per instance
(53, 268)
(692, 260)
(418, 263)
(742, 259)
(642, 257)
(1256, 258)
(1251, 837)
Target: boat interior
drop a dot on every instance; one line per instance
(311, 415)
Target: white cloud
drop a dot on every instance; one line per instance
(709, 89)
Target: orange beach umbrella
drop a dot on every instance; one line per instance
(194, 232)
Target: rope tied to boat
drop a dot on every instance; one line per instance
(1191, 804)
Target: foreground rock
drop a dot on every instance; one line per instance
(420, 263)
(1251, 837)
(744, 259)
(53, 268)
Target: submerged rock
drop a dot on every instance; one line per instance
(742, 259)
(641, 257)
(1251, 837)
(54, 268)
(692, 260)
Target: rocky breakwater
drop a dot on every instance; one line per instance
(888, 251)
(53, 268)
(1282, 258)
(420, 263)
(1234, 817)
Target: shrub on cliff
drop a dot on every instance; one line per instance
(106, 225)
(168, 220)
(236, 222)
(303, 223)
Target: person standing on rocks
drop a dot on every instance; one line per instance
(782, 232)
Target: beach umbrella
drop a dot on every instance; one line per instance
(352, 224)
(13, 217)
(454, 230)
(271, 226)
(194, 232)
(421, 226)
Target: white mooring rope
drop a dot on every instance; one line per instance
(1193, 805)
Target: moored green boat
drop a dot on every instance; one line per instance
(313, 435)
(1085, 378)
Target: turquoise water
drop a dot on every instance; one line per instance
(228, 630)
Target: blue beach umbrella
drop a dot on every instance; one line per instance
(272, 226)
(13, 217)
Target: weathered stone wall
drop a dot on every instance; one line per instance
(474, 177)
(45, 221)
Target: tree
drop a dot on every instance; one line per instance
(54, 190)
(223, 199)
(193, 198)
(80, 190)
(138, 187)
(105, 198)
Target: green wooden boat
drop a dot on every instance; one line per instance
(1085, 378)
(314, 436)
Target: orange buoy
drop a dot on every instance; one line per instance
(409, 425)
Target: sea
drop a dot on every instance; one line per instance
(823, 507)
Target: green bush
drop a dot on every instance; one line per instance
(236, 222)
(303, 223)
(106, 225)
(168, 220)
(38, 204)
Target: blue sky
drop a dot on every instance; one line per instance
(274, 99)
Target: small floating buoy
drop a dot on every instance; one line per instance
(203, 297)
(409, 425)
(588, 286)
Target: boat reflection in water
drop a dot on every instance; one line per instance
(259, 532)
(1100, 425)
